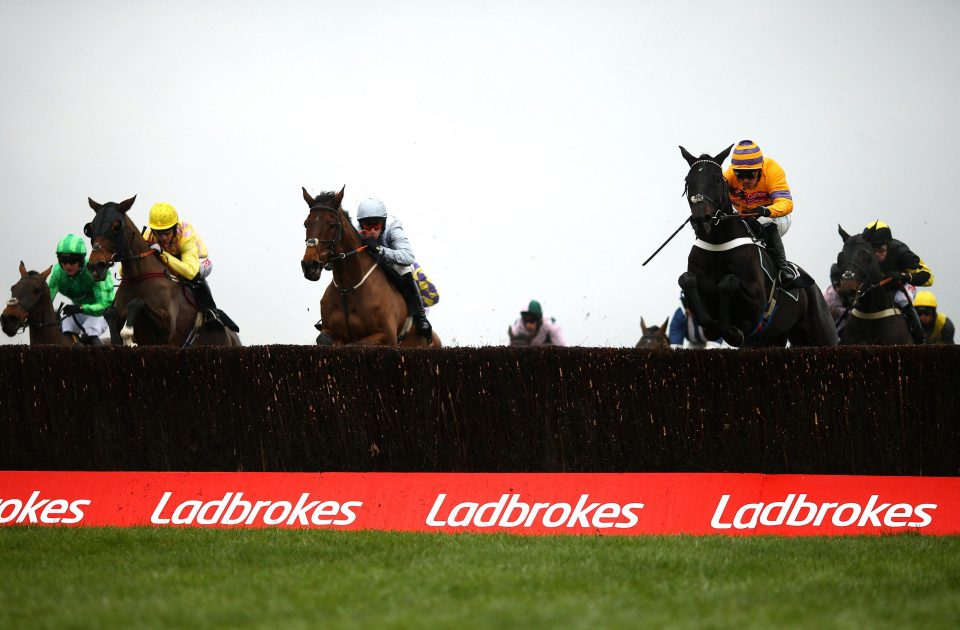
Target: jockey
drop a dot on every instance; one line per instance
(759, 185)
(937, 326)
(543, 331)
(71, 277)
(388, 243)
(838, 311)
(684, 325)
(898, 262)
(183, 252)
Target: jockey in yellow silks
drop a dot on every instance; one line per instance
(758, 185)
(184, 253)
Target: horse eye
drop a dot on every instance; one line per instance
(88, 230)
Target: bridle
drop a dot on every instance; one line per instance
(724, 208)
(332, 257)
(858, 275)
(28, 309)
(122, 254)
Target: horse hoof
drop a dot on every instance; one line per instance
(323, 339)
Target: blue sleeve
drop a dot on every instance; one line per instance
(678, 327)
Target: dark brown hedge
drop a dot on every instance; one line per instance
(863, 410)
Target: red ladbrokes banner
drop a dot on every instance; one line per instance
(524, 503)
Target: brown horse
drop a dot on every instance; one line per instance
(654, 337)
(30, 307)
(154, 308)
(360, 306)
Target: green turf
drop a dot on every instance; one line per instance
(61, 578)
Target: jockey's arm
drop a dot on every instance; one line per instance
(396, 246)
(102, 297)
(557, 337)
(188, 264)
(906, 260)
(781, 201)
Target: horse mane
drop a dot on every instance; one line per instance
(33, 273)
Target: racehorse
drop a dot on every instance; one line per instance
(654, 337)
(30, 306)
(730, 280)
(154, 308)
(874, 318)
(360, 306)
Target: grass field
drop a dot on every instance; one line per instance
(65, 577)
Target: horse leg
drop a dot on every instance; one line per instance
(728, 287)
(688, 282)
(113, 321)
(133, 311)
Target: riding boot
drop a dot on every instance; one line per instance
(411, 295)
(775, 247)
(913, 323)
(205, 304)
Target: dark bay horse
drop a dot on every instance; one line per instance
(654, 337)
(360, 306)
(730, 278)
(153, 308)
(874, 318)
(30, 307)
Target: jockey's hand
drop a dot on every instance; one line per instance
(156, 247)
(71, 309)
(372, 246)
(762, 211)
(902, 277)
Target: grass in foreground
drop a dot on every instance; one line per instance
(230, 578)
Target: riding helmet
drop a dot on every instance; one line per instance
(163, 216)
(72, 244)
(877, 233)
(925, 298)
(747, 156)
(371, 209)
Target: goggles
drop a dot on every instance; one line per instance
(926, 310)
(371, 225)
(530, 320)
(69, 259)
(750, 174)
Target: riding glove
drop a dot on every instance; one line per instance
(72, 309)
(762, 211)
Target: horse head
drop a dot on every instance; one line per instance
(29, 293)
(325, 230)
(112, 234)
(654, 337)
(859, 270)
(706, 189)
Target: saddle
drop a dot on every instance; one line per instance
(803, 279)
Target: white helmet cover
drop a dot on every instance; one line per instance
(371, 209)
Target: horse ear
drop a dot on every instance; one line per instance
(663, 329)
(307, 197)
(126, 205)
(23, 269)
(338, 200)
(643, 324)
(843, 233)
(686, 155)
(46, 273)
(723, 155)
(93, 204)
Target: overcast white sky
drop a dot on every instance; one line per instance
(530, 148)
